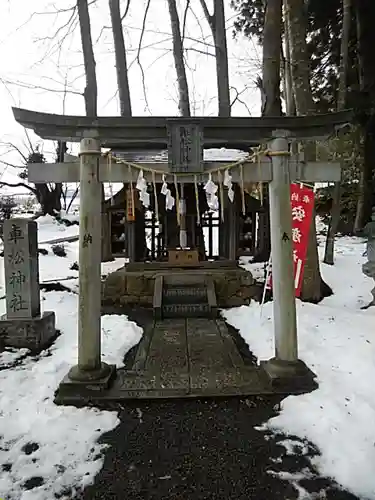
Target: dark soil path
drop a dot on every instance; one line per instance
(187, 450)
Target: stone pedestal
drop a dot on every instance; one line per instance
(33, 333)
(134, 285)
(289, 376)
(83, 386)
(23, 325)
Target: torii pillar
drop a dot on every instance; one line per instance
(285, 370)
(90, 371)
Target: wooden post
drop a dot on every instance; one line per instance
(89, 365)
(233, 226)
(182, 209)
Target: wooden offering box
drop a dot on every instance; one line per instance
(183, 257)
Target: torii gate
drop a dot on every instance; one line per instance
(151, 132)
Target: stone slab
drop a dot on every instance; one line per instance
(225, 381)
(184, 358)
(21, 268)
(143, 349)
(168, 350)
(206, 346)
(32, 333)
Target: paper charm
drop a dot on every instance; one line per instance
(169, 200)
(228, 183)
(142, 188)
(210, 187)
(141, 182)
(211, 190)
(145, 198)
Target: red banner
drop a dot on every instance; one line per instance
(302, 201)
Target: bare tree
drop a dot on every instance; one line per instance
(341, 101)
(178, 55)
(216, 22)
(120, 54)
(48, 195)
(269, 87)
(91, 89)
(313, 288)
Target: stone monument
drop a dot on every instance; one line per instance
(368, 267)
(23, 325)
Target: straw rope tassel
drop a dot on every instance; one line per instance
(221, 195)
(260, 183)
(131, 190)
(197, 200)
(109, 163)
(242, 191)
(155, 196)
(177, 199)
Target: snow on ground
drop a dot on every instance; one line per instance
(49, 229)
(62, 440)
(336, 340)
(41, 443)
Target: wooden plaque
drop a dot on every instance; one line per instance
(185, 147)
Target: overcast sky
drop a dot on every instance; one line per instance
(39, 61)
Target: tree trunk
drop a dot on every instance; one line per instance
(296, 14)
(178, 55)
(290, 103)
(120, 55)
(365, 13)
(271, 58)
(49, 199)
(271, 106)
(313, 287)
(91, 89)
(216, 22)
(341, 102)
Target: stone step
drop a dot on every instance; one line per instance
(184, 295)
(186, 311)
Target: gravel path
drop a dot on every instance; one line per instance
(197, 450)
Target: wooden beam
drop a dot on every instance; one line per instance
(150, 131)
(118, 172)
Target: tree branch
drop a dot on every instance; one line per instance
(139, 54)
(208, 16)
(18, 184)
(192, 49)
(237, 99)
(184, 21)
(126, 10)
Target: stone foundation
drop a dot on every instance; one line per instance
(32, 333)
(134, 283)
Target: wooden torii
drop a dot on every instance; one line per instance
(187, 157)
